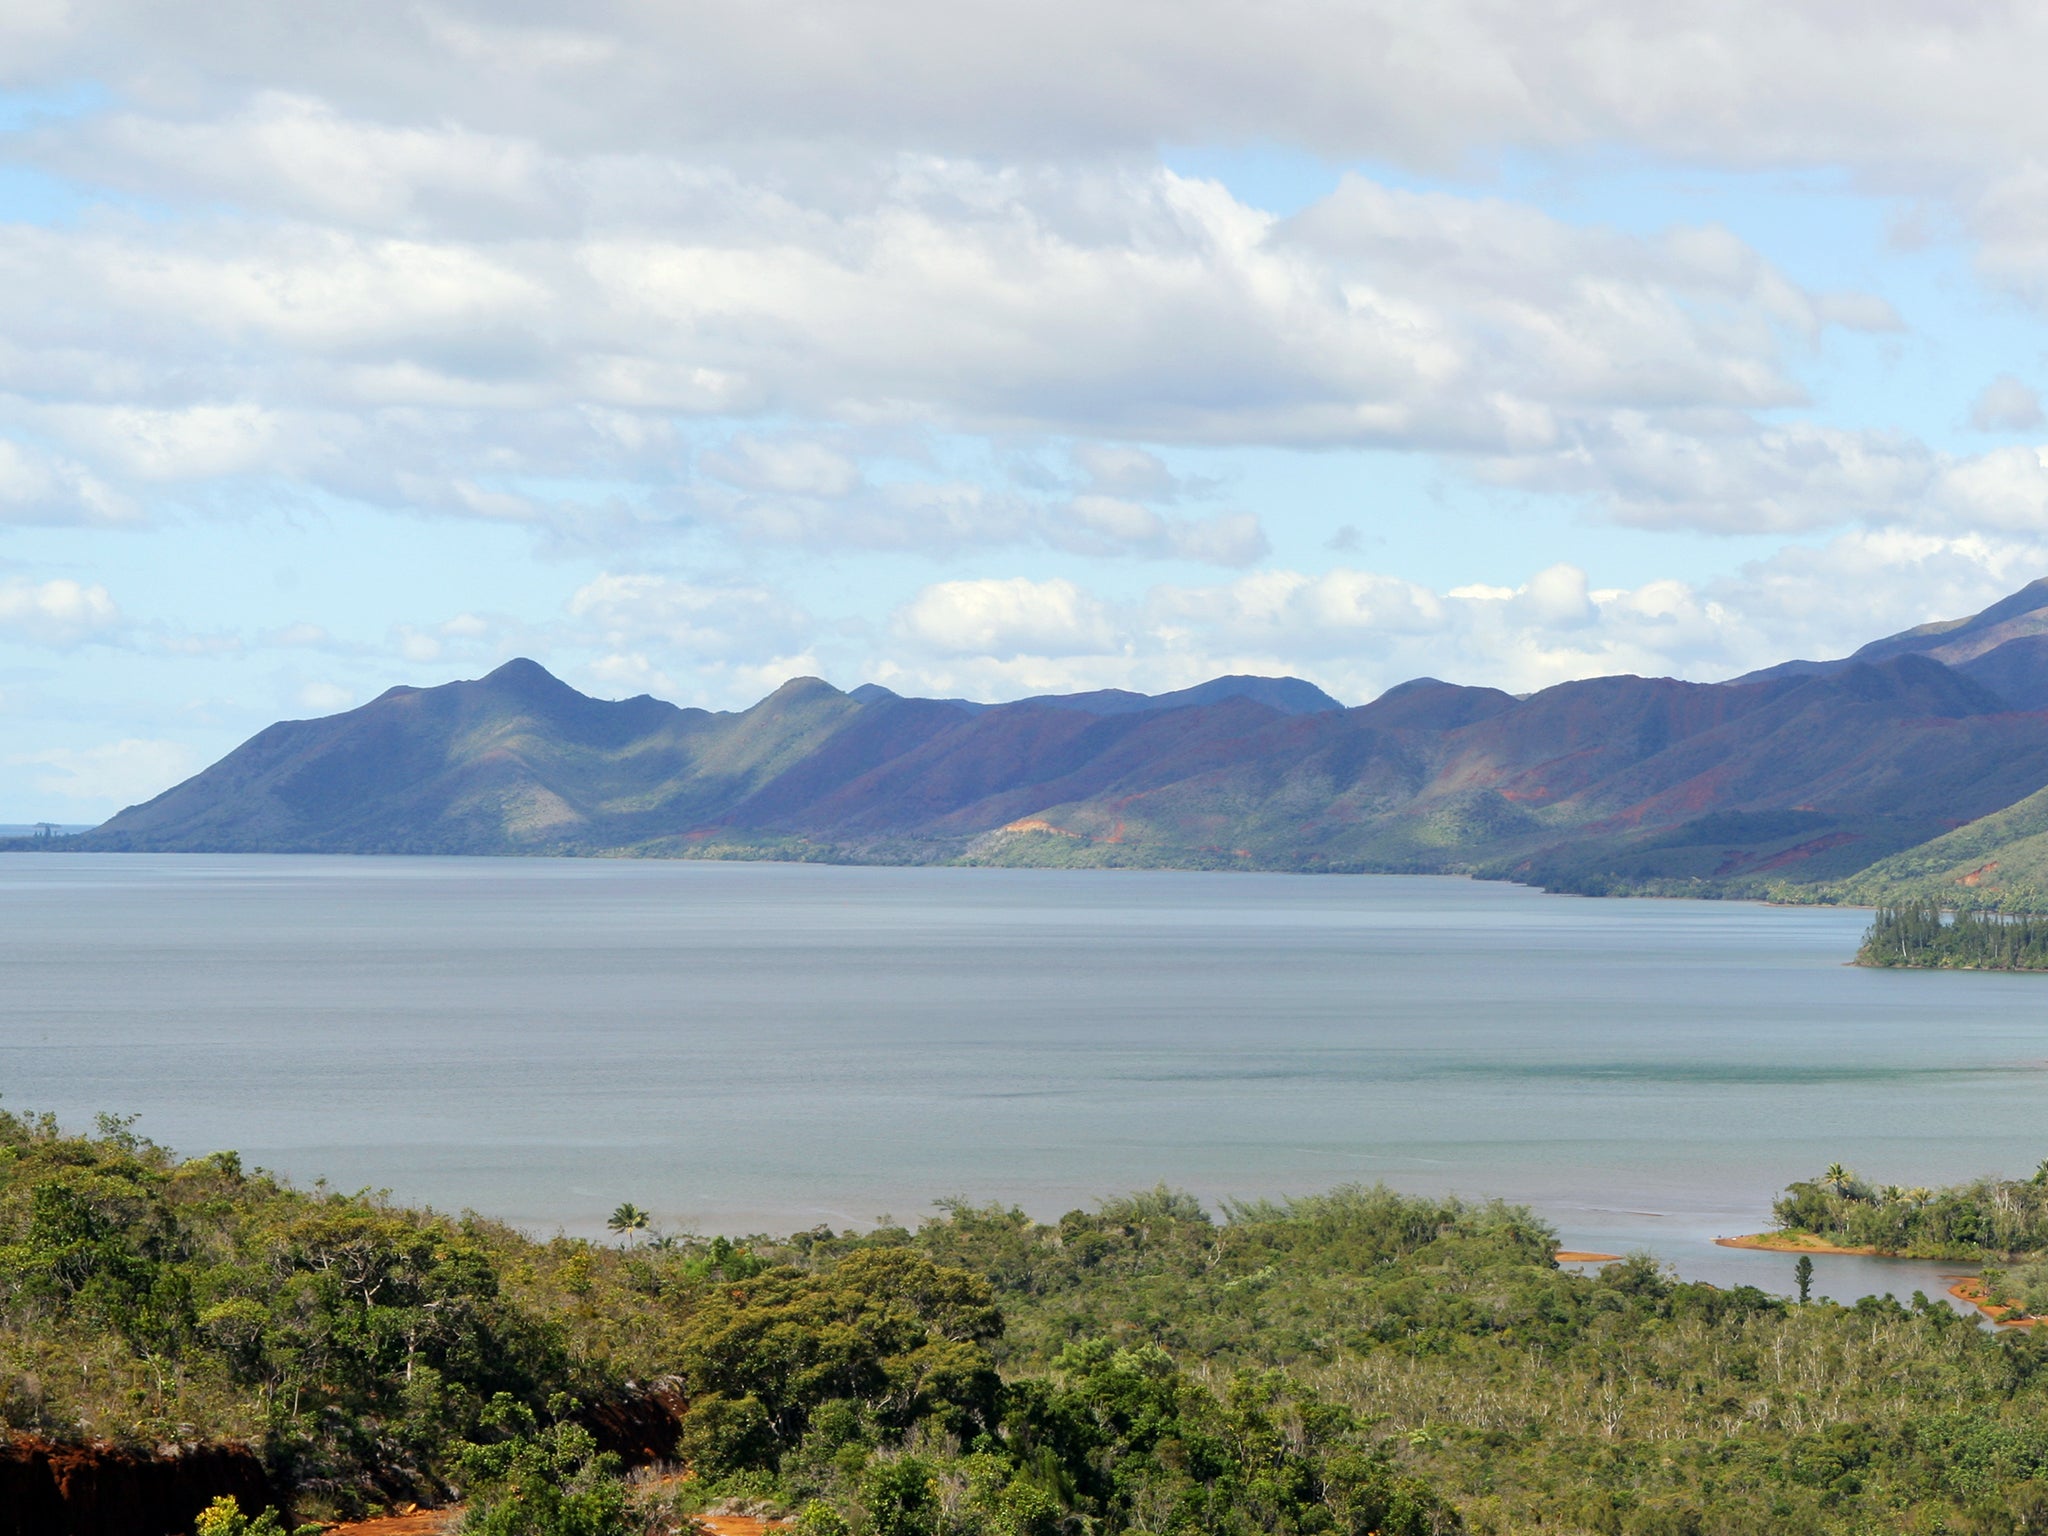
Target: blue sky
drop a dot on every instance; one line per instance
(988, 349)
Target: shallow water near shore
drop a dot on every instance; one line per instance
(766, 1047)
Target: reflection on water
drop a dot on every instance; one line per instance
(750, 1046)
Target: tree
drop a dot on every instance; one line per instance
(629, 1221)
(1802, 1276)
(224, 1517)
(539, 1482)
(897, 1336)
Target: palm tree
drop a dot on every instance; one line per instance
(629, 1221)
(1837, 1178)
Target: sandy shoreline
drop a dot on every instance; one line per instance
(1577, 1256)
(1972, 1291)
(1785, 1242)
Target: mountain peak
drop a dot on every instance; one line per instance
(525, 677)
(797, 691)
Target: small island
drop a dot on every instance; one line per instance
(1838, 1211)
(1922, 936)
(2001, 1224)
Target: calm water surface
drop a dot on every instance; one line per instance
(740, 1047)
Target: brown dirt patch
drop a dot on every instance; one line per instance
(420, 1522)
(1973, 1292)
(1580, 1256)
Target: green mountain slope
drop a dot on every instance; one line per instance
(1998, 861)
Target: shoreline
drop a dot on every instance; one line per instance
(1785, 1242)
(1970, 1291)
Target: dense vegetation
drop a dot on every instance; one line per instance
(1355, 1362)
(1987, 1218)
(1921, 935)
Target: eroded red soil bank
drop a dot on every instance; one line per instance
(106, 1490)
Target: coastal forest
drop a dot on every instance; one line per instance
(1359, 1361)
(1921, 935)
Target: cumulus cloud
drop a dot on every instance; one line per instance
(454, 252)
(446, 373)
(1003, 619)
(1357, 632)
(1119, 469)
(1740, 80)
(627, 275)
(59, 613)
(2006, 405)
(456, 308)
(191, 443)
(791, 466)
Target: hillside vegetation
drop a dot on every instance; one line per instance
(1997, 862)
(1356, 1362)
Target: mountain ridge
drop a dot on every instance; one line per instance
(1789, 781)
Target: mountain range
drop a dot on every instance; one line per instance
(1919, 762)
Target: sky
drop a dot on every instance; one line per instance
(991, 349)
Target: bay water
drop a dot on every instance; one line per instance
(767, 1047)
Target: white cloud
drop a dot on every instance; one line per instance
(796, 466)
(447, 373)
(195, 442)
(122, 772)
(2006, 405)
(476, 265)
(1556, 598)
(60, 613)
(301, 154)
(685, 621)
(38, 488)
(1002, 619)
(1736, 80)
(1358, 632)
(1118, 469)
(1282, 610)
